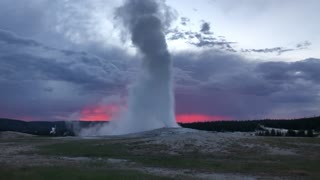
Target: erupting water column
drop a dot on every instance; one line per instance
(151, 101)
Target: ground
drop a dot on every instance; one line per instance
(159, 154)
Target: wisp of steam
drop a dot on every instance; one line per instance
(151, 101)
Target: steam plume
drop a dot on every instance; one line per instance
(151, 102)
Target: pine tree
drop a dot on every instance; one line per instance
(310, 133)
(267, 133)
(301, 133)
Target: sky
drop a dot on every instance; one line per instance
(232, 59)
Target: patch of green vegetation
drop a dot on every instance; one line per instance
(240, 159)
(86, 148)
(275, 165)
(69, 173)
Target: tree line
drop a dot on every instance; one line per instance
(294, 127)
(291, 133)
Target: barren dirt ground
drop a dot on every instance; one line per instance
(159, 154)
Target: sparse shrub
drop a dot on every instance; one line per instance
(267, 133)
(291, 133)
(310, 133)
(279, 133)
(301, 133)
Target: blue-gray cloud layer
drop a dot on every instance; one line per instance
(44, 75)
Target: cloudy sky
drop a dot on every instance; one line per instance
(233, 59)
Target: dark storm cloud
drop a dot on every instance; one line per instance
(42, 81)
(205, 28)
(213, 42)
(10, 38)
(201, 39)
(205, 38)
(279, 50)
(35, 59)
(24, 17)
(33, 19)
(59, 24)
(307, 70)
(218, 83)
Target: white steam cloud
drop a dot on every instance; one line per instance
(151, 102)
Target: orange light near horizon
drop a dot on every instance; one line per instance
(189, 118)
(107, 112)
(99, 113)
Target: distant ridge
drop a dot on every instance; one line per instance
(67, 128)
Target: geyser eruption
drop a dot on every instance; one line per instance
(151, 102)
